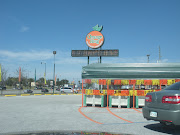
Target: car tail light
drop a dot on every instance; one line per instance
(148, 98)
(171, 99)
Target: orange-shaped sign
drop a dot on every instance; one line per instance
(94, 39)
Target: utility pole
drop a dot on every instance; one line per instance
(54, 52)
(148, 58)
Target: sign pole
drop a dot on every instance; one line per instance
(100, 56)
(88, 60)
(88, 57)
(82, 93)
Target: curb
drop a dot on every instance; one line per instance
(25, 94)
(10, 95)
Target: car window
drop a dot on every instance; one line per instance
(175, 86)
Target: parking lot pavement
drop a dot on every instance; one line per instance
(64, 112)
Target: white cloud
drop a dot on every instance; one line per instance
(69, 60)
(66, 66)
(141, 59)
(126, 60)
(24, 29)
(26, 55)
(164, 60)
(64, 57)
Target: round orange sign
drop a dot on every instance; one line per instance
(94, 39)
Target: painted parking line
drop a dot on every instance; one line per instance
(10, 95)
(63, 94)
(87, 116)
(118, 116)
(56, 94)
(25, 94)
(137, 110)
(47, 94)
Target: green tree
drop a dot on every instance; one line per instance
(41, 81)
(12, 81)
(9, 81)
(62, 82)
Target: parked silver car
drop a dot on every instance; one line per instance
(68, 90)
(163, 106)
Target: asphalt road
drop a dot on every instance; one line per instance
(64, 113)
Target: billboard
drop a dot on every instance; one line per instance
(95, 53)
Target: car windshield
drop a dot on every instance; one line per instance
(175, 86)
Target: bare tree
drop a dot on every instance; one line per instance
(3, 76)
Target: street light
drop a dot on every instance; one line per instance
(54, 52)
(148, 58)
(44, 72)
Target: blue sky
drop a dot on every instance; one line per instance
(30, 30)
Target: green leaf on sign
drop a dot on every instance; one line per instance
(97, 28)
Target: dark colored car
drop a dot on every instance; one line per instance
(2, 88)
(20, 88)
(37, 88)
(28, 91)
(58, 89)
(164, 105)
(44, 90)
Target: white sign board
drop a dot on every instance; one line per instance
(33, 84)
(51, 83)
(65, 85)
